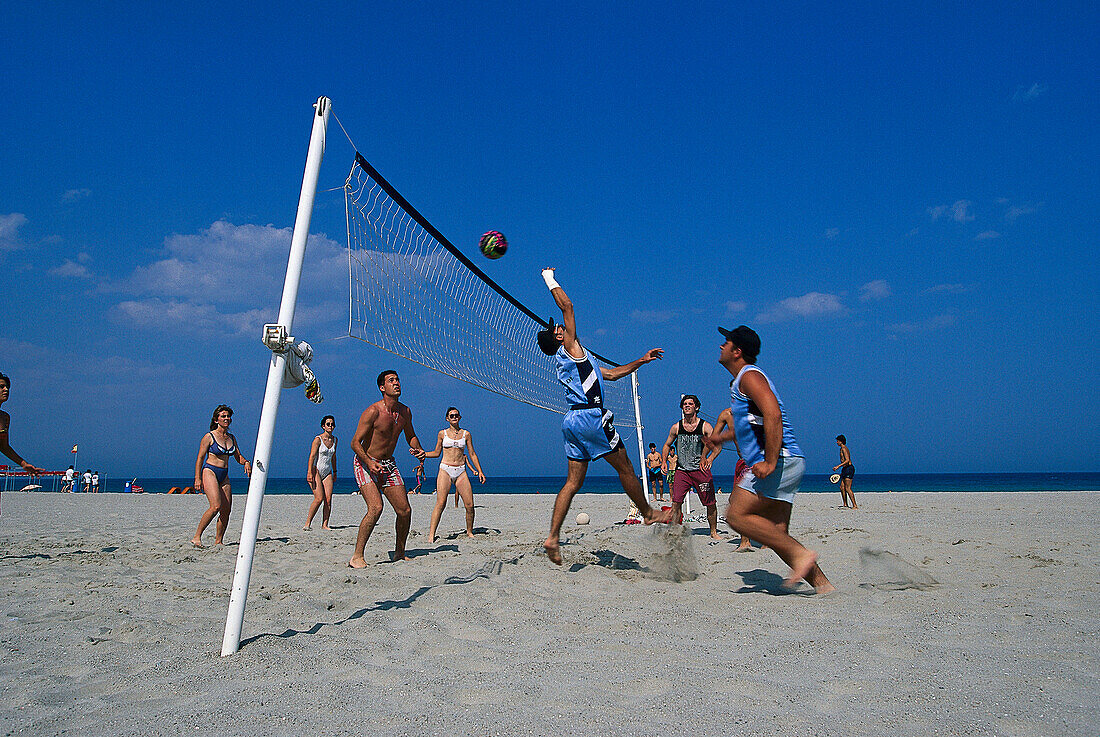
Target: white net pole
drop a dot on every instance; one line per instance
(641, 440)
(234, 620)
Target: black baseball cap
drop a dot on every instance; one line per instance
(744, 338)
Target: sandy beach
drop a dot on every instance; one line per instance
(981, 617)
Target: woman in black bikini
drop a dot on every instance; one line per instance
(212, 473)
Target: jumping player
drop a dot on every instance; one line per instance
(760, 505)
(588, 427)
(376, 472)
(693, 471)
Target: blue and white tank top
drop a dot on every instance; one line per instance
(581, 377)
(748, 422)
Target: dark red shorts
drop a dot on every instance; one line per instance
(702, 482)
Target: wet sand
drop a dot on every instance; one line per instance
(958, 614)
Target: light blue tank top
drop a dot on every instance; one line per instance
(581, 377)
(748, 422)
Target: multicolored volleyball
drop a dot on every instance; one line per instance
(493, 244)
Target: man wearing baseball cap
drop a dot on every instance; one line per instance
(760, 505)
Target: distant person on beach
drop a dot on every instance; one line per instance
(68, 480)
(653, 463)
(454, 443)
(95, 482)
(588, 427)
(5, 424)
(380, 425)
(212, 473)
(847, 472)
(760, 505)
(321, 473)
(87, 480)
(670, 468)
(694, 462)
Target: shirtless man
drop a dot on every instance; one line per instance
(588, 427)
(694, 459)
(760, 505)
(5, 421)
(376, 472)
(653, 462)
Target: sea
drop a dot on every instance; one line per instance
(811, 483)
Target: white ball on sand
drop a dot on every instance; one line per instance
(583, 518)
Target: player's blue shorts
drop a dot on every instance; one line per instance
(589, 434)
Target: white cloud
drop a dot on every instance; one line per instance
(9, 231)
(948, 289)
(159, 314)
(937, 212)
(1024, 93)
(75, 195)
(228, 279)
(923, 326)
(987, 235)
(1014, 212)
(71, 269)
(651, 316)
(960, 211)
(812, 304)
(875, 290)
(735, 308)
(832, 233)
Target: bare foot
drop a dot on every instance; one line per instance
(218, 542)
(325, 527)
(825, 588)
(651, 515)
(744, 548)
(801, 569)
(855, 506)
(394, 557)
(357, 561)
(553, 551)
(469, 534)
(433, 538)
(197, 542)
(716, 536)
(306, 527)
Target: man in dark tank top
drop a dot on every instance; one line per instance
(694, 462)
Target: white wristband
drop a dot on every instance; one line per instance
(548, 277)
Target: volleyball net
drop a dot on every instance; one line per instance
(414, 294)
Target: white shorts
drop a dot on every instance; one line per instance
(781, 484)
(453, 471)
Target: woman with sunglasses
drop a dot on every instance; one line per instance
(453, 444)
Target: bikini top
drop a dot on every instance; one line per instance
(217, 449)
(449, 442)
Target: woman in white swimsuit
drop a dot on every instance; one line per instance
(454, 444)
(322, 472)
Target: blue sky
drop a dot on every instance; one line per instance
(902, 202)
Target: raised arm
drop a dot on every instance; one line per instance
(473, 456)
(617, 372)
(568, 319)
(438, 447)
